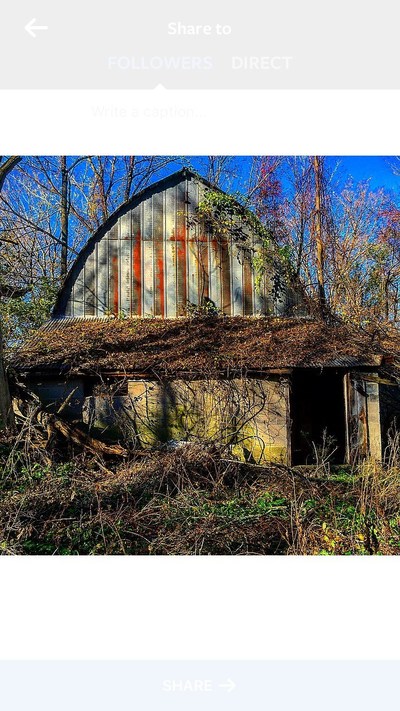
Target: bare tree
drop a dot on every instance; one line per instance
(64, 217)
(318, 235)
(6, 414)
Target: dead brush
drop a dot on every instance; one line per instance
(323, 454)
(192, 466)
(215, 536)
(303, 528)
(379, 482)
(26, 447)
(194, 499)
(379, 489)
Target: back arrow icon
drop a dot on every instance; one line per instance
(31, 27)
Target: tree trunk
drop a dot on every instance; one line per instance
(64, 217)
(6, 413)
(7, 167)
(319, 243)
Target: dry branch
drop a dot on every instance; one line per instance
(28, 410)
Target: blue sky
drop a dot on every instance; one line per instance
(376, 169)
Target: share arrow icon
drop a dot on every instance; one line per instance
(229, 685)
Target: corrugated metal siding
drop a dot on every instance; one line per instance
(157, 258)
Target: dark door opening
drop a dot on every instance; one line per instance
(318, 417)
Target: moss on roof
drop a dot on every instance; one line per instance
(198, 346)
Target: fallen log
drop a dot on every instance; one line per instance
(82, 439)
(29, 412)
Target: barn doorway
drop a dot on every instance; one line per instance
(317, 408)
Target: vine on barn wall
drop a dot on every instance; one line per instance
(227, 218)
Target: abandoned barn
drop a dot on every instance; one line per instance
(167, 330)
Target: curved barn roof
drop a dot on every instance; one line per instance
(155, 257)
(121, 210)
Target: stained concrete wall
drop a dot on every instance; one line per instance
(250, 415)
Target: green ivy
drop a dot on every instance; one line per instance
(21, 314)
(227, 218)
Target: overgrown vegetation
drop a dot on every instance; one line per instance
(200, 345)
(28, 310)
(192, 500)
(227, 218)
